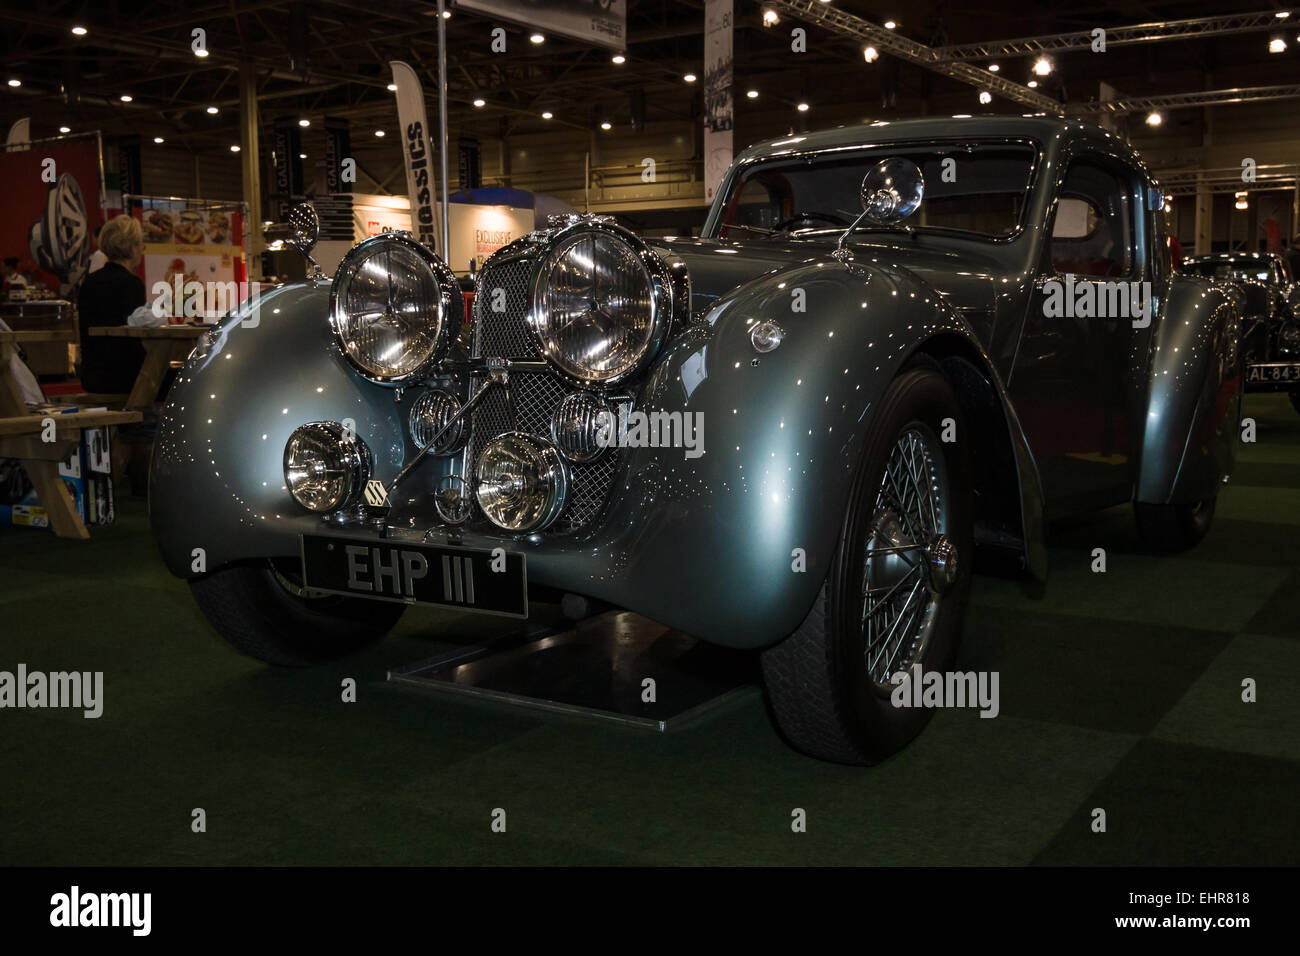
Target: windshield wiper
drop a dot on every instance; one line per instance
(761, 230)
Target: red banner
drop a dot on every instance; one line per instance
(52, 210)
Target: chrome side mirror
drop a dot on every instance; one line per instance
(892, 190)
(304, 229)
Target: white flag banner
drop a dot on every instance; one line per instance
(20, 134)
(718, 100)
(418, 154)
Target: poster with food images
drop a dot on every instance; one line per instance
(193, 261)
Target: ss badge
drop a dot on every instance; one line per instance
(376, 496)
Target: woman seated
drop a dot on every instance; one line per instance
(107, 297)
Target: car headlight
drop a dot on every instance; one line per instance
(391, 308)
(521, 482)
(600, 302)
(325, 466)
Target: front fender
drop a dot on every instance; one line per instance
(1189, 439)
(215, 482)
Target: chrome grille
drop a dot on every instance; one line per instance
(535, 394)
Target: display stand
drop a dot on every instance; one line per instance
(597, 667)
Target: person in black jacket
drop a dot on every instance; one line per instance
(107, 297)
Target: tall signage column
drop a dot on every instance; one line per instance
(718, 98)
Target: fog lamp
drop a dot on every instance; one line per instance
(325, 466)
(521, 482)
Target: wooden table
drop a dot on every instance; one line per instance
(21, 437)
(162, 345)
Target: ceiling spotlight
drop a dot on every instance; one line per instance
(15, 82)
(993, 67)
(379, 133)
(548, 115)
(158, 139)
(201, 52)
(79, 31)
(480, 103)
(986, 97)
(126, 97)
(392, 87)
(1241, 204)
(1240, 194)
(752, 94)
(802, 107)
(1282, 14)
(1032, 84)
(1042, 66)
(302, 155)
(65, 129)
(770, 18)
(890, 24)
(690, 77)
(1168, 208)
(304, 122)
(618, 58)
(537, 38)
(234, 149)
(212, 110)
(1154, 118)
(446, 14)
(1277, 45)
(607, 125)
(871, 54)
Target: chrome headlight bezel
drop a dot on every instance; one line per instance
(355, 458)
(665, 293)
(447, 308)
(552, 472)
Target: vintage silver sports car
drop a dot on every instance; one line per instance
(893, 347)
(1270, 325)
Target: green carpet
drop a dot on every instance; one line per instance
(1119, 691)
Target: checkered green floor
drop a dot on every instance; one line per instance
(1119, 691)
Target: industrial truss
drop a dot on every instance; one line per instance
(1227, 179)
(888, 41)
(1115, 36)
(1173, 101)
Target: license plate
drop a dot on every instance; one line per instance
(1275, 372)
(490, 582)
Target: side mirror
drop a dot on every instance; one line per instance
(304, 228)
(892, 190)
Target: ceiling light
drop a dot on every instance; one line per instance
(1042, 66)
(548, 115)
(234, 149)
(302, 155)
(993, 67)
(65, 129)
(201, 52)
(304, 122)
(606, 125)
(752, 94)
(770, 18)
(986, 97)
(392, 87)
(126, 97)
(1241, 204)
(158, 139)
(802, 107)
(871, 54)
(961, 116)
(690, 77)
(618, 58)
(446, 14)
(480, 103)
(15, 82)
(1154, 118)
(213, 110)
(1282, 14)
(537, 38)
(1276, 45)
(79, 31)
(890, 24)
(379, 132)
(1032, 84)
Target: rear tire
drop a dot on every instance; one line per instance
(823, 681)
(261, 609)
(1167, 529)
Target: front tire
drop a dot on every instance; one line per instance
(1166, 529)
(896, 590)
(262, 609)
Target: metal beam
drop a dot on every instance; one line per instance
(889, 41)
(1116, 36)
(1173, 101)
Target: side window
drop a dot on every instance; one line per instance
(1092, 233)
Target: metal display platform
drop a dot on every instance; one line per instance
(597, 668)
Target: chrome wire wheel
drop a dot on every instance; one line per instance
(909, 560)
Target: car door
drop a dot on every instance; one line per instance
(1069, 377)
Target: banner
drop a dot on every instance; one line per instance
(335, 208)
(417, 152)
(52, 209)
(718, 100)
(602, 22)
(193, 257)
(128, 165)
(286, 166)
(20, 133)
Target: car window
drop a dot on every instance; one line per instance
(979, 189)
(1092, 232)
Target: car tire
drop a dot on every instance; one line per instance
(823, 695)
(1168, 528)
(261, 609)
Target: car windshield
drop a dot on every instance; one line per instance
(978, 189)
(1230, 270)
